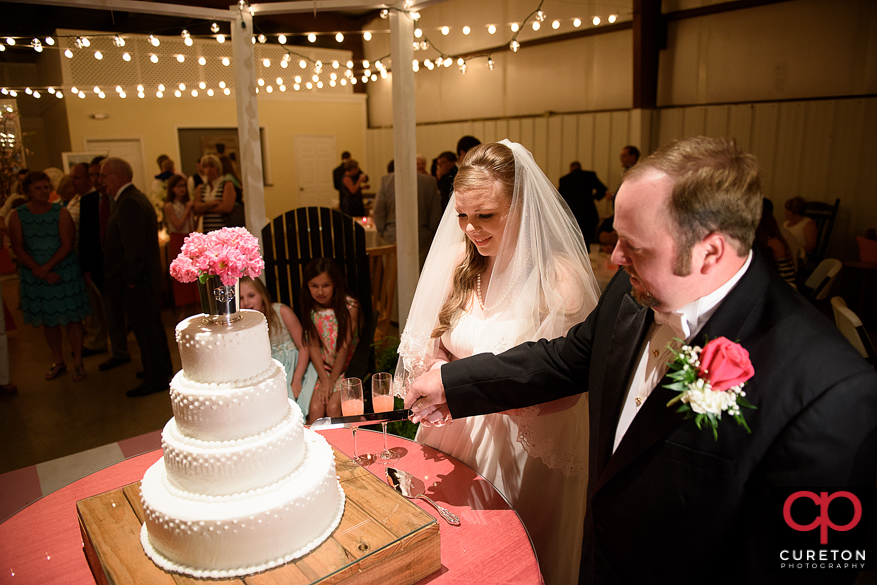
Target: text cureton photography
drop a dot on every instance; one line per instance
(820, 529)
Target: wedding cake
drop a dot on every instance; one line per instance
(243, 487)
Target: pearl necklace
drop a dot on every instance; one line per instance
(481, 302)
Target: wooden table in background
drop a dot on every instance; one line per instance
(42, 544)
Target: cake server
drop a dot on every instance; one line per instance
(371, 418)
(412, 488)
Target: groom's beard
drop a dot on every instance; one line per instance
(644, 298)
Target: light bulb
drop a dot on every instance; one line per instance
(491, 29)
(266, 62)
(331, 76)
(202, 61)
(284, 64)
(448, 62)
(339, 37)
(281, 39)
(98, 55)
(81, 95)
(379, 65)
(315, 78)
(194, 93)
(153, 40)
(428, 64)
(302, 64)
(188, 41)
(490, 63)
(96, 89)
(262, 39)
(536, 25)
(514, 46)
(309, 85)
(296, 87)
(365, 64)
(214, 28)
(86, 42)
(123, 95)
(555, 25)
(466, 30)
(178, 93)
(210, 92)
(460, 61)
(101, 95)
(202, 85)
(343, 82)
(577, 22)
(225, 61)
(28, 90)
(540, 16)
(68, 53)
(221, 84)
(37, 45)
(312, 37)
(383, 73)
(367, 36)
(515, 27)
(335, 64)
(50, 41)
(385, 13)
(415, 16)
(182, 87)
(350, 64)
(463, 69)
(77, 42)
(119, 89)
(160, 87)
(331, 84)
(364, 79)
(418, 33)
(185, 34)
(445, 30)
(260, 81)
(139, 88)
(297, 79)
(226, 91)
(596, 20)
(612, 18)
(126, 56)
(50, 89)
(269, 89)
(220, 39)
(153, 58)
(181, 58)
(319, 85)
(59, 94)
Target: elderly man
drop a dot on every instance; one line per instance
(132, 269)
(667, 501)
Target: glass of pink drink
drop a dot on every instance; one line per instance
(352, 405)
(382, 401)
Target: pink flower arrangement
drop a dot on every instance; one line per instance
(229, 253)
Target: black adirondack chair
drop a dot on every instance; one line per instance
(298, 236)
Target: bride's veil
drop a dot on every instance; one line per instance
(542, 278)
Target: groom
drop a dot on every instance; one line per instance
(668, 502)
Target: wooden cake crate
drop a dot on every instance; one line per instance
(382, 538)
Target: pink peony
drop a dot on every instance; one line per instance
(228, 253)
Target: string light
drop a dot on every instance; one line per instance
(596, 20)
(555, 25)
(367, 35)
(37, 45)
(515, 27)
(225, 61)
(536, 25)
(214, 28)
(153, 40)
(202, 61)
(577, 22)
(181, 58)
(385, 14)
(266, 62)
(514, 45)
(612, 18)
(160, 87)
(202, 85)
(491, 29)
(466, 30)
(10, 41)
(118, 42)
(339, 37)
(154, 58)
(262, 39)
(312, 37)
(50, 41)
(126, 57)
(281, 39)
(445, 30)
(220, 39)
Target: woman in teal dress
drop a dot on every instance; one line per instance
(52, 287)
(284, 332)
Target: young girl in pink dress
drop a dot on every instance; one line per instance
(330, 332)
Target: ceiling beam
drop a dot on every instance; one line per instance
(159, 8)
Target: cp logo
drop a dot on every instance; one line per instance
(822, 521)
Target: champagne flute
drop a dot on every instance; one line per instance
(352, 405)
(382, 401)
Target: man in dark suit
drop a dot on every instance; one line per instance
(338, 173)
(668, 503)
(579, 189)
(132, 269)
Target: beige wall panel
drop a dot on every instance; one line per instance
(816, 156)
(556, 164)
(586, 140)
(539, 146)
(786, 181)
(569, 128)
(694, 121)
(717, 121)
(764, 141)
(602, 138)
(798, 49)
(669, 125)
(740, 125)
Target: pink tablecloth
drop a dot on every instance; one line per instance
(42, 543)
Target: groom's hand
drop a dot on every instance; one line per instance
(426, 398)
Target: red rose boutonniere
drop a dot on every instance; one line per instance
(710, 381)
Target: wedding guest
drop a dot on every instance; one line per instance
(338, 173)
(629, 157)
(661, 486)
(776, 250)
(132, 268)
(285, 334)
(52, 288)
(352, 184)
(330, 330)
(508, 265)
(180, 217)
(802, 228)
(580, 189)
(6, 387)
(445, 171)
(216, 196)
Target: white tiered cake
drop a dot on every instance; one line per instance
(242, 486)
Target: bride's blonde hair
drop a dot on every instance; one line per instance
(485, 166)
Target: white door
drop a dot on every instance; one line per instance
(315, 157)
(130, 150)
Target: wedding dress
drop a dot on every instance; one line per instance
(541, 285)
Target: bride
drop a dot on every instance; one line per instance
(508, 265)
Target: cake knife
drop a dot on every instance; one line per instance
(371, 418)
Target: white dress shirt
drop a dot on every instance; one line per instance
(655, 353)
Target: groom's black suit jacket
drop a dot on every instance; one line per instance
(673, 505)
